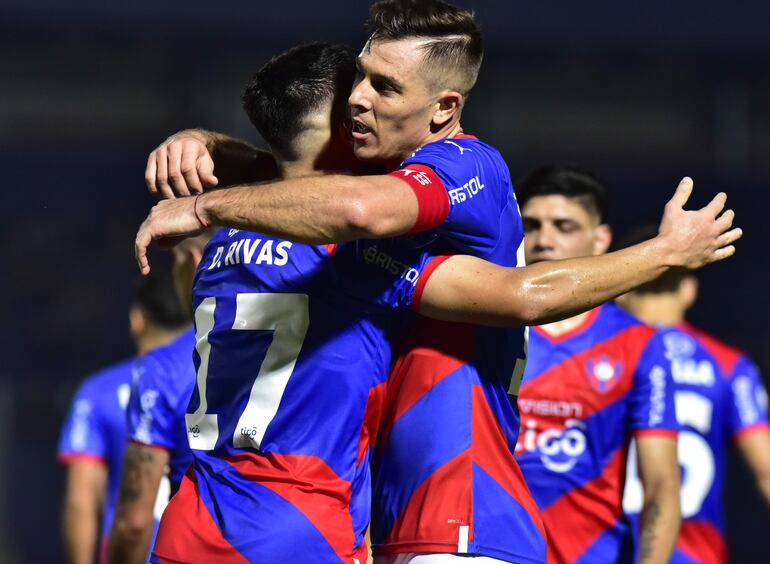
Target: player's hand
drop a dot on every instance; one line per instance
(696, 238)
(168, 222)
(180, 166)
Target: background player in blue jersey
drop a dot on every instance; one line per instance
(157, 454)
(592, 383)
(94, 435)
(720, 399)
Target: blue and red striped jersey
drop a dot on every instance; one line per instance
(96, 429)
(585, 394)
(719, 399)
(293, 349)
(160, 391)
(445, 476)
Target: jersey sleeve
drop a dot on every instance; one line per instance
(653, 409)
(150, 417)
(748, 405)
(461, 193)
(84, 434)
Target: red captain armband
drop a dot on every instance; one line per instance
(432, 198)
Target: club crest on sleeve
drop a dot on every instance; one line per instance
(603, 372)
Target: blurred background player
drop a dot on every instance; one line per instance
(719, 399)
(591, 383)
(158, 451)
(93, 437)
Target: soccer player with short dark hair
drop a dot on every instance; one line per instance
(592, 383)
(93, 437)
(720, 399)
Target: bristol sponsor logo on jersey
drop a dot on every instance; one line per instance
(467, 191)
(604, 373)
(374, 256)
(560, 449)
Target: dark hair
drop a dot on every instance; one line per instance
(157, 297)
(667, 282)
(570, 181)
(293, 84)
(454, 39)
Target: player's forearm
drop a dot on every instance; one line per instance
(236, 161)
(80, 526)
(320, 209)
(129, 541)
(560, 289)
(660, 522)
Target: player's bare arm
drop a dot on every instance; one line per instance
(459, 289)
(83, 502)
(755, 449)
(185, 163)
(143, 468)
(318, 209)
(660, 519)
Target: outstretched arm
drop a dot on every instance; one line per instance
(468, 289)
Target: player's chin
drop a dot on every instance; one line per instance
(364, 151)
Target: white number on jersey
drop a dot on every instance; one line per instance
(287, 315)
(694, 453)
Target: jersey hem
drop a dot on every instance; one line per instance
(761, 426)
(670, 433)
(155, 446)
(451, 548)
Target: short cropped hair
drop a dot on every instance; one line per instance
(454, 47)
(294, 84)
(570, 181)
(156, 296)
(667, 282)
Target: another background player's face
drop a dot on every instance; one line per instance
(556, 227)
(391, 102)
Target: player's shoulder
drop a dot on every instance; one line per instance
(727, 357)
(457, 153)
(614, 317)
(169, 360)
(108, 380)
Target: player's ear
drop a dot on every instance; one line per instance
(688, 290)
(447, 106)
(602, 239)
(136, 322)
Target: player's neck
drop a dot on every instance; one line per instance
(154, 337)
(446, 132)
(558, 328)
(662, 310)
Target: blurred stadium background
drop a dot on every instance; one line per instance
(642, 94)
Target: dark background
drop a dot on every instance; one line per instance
(641, 94)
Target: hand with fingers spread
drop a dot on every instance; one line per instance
(169, 221)
(181, 166)
(695, 238)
